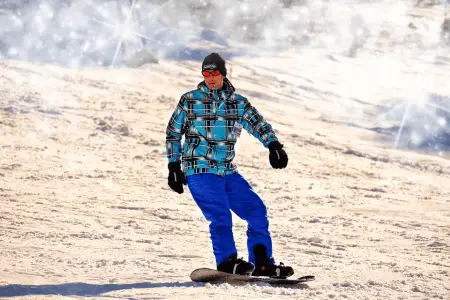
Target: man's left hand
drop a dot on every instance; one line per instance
(278, 157)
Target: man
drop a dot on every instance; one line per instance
(211, 119)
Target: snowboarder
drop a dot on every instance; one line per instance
(211, 119)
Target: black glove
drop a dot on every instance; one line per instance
(278, 157)
(176, 177)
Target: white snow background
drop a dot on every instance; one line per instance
(358, 91)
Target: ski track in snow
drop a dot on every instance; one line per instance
(86, 211)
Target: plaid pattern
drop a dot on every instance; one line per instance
(207, 119)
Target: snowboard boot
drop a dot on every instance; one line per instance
(234, 265)
(266, 266)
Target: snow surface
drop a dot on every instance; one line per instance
(357, 91)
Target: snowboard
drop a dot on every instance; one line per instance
(214, 276)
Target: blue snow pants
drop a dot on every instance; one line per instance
(216, 196)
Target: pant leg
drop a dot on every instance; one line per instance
(208, 191)
(247, 205)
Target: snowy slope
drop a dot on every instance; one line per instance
(86, 212)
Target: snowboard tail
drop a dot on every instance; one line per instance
(215, 276)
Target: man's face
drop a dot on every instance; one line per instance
(213, 79)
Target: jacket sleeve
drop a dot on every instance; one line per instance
(175, 130)
(257, 126)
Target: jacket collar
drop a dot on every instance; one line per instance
(224, 93)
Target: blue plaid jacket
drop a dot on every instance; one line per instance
(211, 122)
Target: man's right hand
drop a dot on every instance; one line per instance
(176, 177)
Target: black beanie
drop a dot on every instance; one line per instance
(214, 62)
